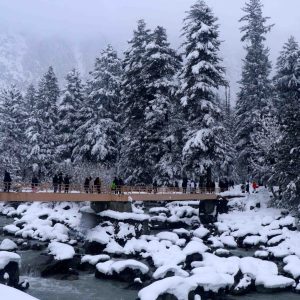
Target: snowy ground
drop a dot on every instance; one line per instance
(177, 256)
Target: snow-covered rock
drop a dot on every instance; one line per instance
(292, 266)
(11, 229)
(201, 232)
(61, 251)
(94, 259)
(8, 245)
(162, 271)
(125, 270)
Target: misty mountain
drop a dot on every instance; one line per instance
(24, 58)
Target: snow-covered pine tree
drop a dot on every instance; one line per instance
(226, 167)
(12, 127)
(254, 97)
(69, 118)
(30, 100)
(200, 78)
(287, 165)
(97, 137)
(42, 133)
(133, 167)
(161, 63)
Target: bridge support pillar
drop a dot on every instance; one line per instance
(116, 206)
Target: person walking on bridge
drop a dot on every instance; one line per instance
(114, 185)
(97, 185)
(184, 185)
(121, 184)
(60, 181)
(55, 183)
(155, 186)
(34, 183)
(86, 184)
(67, 184)
(7, 181)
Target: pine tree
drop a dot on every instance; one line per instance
(254, 97)
(97, 137)
(12, 125)
(161, 63)
(133, 167)
(287, 165)
(202, 75)
(69, 121)
(42, 133)
(227, 165)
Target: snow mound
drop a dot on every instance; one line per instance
(181, 287)
(163, 270)
(11, 229)
(94, 259)
(123, 216)
(9, 293)
(201, 232)
(292, 265)
(6, 257)
(61, 251)
(111, 266)
(8, 245)
(169, 236)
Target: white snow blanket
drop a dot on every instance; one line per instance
(9, 293)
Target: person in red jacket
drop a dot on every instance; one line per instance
(254, 186)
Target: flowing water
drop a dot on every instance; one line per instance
(87, 287)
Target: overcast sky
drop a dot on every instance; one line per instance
(112, 21)
(115, 19)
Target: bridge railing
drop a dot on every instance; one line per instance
(103, 189)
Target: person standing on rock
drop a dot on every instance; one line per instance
(7, 181)
(55, 183)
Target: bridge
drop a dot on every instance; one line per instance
(44, 192)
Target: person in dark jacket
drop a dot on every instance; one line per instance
(55, 183)
(60, 181)
(121, 184)
(97, 185)
(67, 184)
(34, 183)
(86, 184)
(7, 181)
(248, 187)
(155, 186)
(184, 185)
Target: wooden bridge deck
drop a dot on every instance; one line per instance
(61, 197)
(45, 193)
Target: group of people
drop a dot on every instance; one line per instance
(90, 186)
(245, 187)
(191, 186)
(117, 185)
(59, 181)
